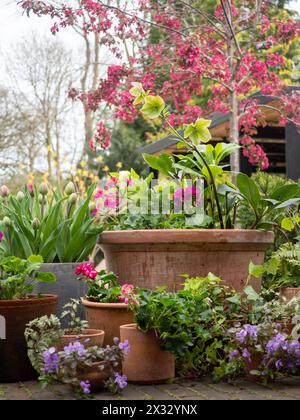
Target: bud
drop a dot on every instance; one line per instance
(20, 196)
(70, 188)
(72, 198)
(35, 223)
(40, 198)
(92, 206)
(43, 188)
(7, 221)
(4, 191)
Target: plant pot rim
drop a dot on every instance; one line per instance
(92, 304)
(186, 236)
(87, 332)
(64, 263)
(132, 326)
(34, 299)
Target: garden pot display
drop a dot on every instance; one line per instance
(288, 293)
(95, 376)
(89, 338)
(14, 362)
(151, 258)
(67, 285)
(146, 362)
(108, 317)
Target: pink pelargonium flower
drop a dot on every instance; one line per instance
(127, 294)
(87, 270)
(1, 235)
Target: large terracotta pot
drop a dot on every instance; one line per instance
(14, 362)
(89, 338)
(146, 362)
(288, 293)
(107, 317)
(149, 258)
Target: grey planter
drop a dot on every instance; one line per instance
(67, 285)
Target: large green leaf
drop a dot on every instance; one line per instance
(249, 190)
(285, 192)
(163, 163)
(81, 211)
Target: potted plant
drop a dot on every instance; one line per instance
(18, 306)
(56, 224)
(106, 301)
(155, 248)
(267, 353)
(48, 330)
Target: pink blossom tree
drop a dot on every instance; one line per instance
(227, 55)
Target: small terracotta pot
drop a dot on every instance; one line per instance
(14, 362)
(88, 338)
(95, 376)
(288, 293)
(146, 362)
(108, 317)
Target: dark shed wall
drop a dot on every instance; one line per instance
(292, 152)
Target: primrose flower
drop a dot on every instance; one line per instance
(51, 360)
(75, 347)
(124, 346)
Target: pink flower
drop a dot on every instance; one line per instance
(87, 270)
(1, 235)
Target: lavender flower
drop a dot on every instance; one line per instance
(85, 387)
(120, 380)
(125, 346)
(51, 360)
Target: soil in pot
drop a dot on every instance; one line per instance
(288, 293)
(14, 362)
(88, 337)
(146, 362)
(108, 317)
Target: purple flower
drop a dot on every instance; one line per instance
(51, 360)
(277, 342)
(278, 364)
(125, 346)
(246, 354)
(75, 347)
(1, 235)
(120, 380)
(233, 354)
(85, 386)
(247, 331)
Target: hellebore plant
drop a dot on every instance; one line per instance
(222, 198)
(104, 287)
(54, 223)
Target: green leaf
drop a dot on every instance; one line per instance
(285, 192)
(153, 106)
(215, 170)
(249, 190)
(198, 132)
(287, 224)
(45, 277)
(255, 270)
(35, 259)
(137, 89)
(251, 293)
(163, 163)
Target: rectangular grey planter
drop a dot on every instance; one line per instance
(67, 285)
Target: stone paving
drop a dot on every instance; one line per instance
(285, 389)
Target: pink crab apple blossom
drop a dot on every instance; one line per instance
(188, 63)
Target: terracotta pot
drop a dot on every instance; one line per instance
(88, 338)
(256, 359)
(288, 293)
(14, 362)
(146, 362)
(95, 376)
(107, 317)
(150, 258)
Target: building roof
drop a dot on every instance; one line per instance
(219, 121)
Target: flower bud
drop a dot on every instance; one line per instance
(40, 198)
(70, 188)
(7, 221)
(20, 196)
(35, 223)
(72, 198)
(4, 191)
(43, 188)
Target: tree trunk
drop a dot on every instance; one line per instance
(234, 133)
